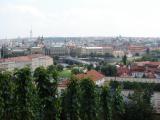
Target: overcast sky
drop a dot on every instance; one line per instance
(79, 18)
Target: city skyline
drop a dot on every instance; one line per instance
(79, 18)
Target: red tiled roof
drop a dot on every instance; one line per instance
(147, 67)
(35, 55)
(137, 69)
(148, 63)
(136, 48)
(123, 71)
(150, 69)
(92, 74)
(153, 63)
(16, 59)
(21, 58)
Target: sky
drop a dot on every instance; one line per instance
(136, 18)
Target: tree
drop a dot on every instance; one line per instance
(124, 60)
(118, 104)
(106, 103)
(114, 84)
(72, 98)
(24, 95)
(87, 100)
(76, 71)
(59, 67)
(63, 105)
(109, 70)
(139, 108)
(147, 51)
(52, 68)
(98, 68)
(6, 96)
(148, 57)
(90, 66)
(47, 92)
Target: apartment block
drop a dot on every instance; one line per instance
(33, 61)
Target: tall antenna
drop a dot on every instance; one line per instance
(155, 42)
(31, 34)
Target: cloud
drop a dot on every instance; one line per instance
(21, 9)
(81, 17)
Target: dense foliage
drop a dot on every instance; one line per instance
(109, 70)
(124, 59)
(28, 95)
(147, 57)
(136, 85)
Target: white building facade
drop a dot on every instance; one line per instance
(32, 61)
(96, 50)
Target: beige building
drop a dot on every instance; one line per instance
(118, 53)
(96, 50)
(36, 50)
(33, 61)
(139, 50)
(57, 50)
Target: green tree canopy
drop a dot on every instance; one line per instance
(124, 59)
(7, 88)
(87, 100)
(72, 98)
(24, 95)
(47, 91)
(109, 70)
(106, 103)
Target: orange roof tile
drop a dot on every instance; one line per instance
(137, 69)
(148, 63)
(92, 74)
(21, 58)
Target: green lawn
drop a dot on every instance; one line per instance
(65, 74)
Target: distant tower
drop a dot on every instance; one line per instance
(155, 43)
(31, 33)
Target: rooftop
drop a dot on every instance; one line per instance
(21, 58)
(98, 47)
(92, 74)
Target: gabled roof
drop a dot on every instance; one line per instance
(16, 59)
(123, 71)
(135, 47)
(21, 58)
(148, 63)
(92, 74)
(137, 69)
